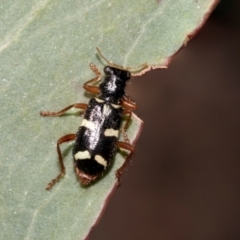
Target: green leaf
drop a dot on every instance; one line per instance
(45, 51)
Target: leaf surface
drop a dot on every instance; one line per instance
(45, 51)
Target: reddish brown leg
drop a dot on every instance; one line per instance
(66, 138)
(128, 103)
(128, 106)
(90, 88)
(129, 113)
(130, 148)
(125, 126)
(61, 112)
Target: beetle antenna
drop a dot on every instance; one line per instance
(109, 63)
(130, 69)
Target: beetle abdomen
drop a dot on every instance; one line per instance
(96, 139)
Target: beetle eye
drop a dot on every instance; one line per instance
(107, 70)
(126, 75)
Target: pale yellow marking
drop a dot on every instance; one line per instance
(99, 100)
(82, 155)
(115, 105)
(101, 160)
(106, 110)
(88, 124)
(110, 132)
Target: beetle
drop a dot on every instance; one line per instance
(96, 140)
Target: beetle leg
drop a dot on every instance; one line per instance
(66, 138)
(125, 126)
(128, 103)
(130, 148)
(128, 107)
(61, 112)
(90, 88)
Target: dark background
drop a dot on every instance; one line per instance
(183, 182)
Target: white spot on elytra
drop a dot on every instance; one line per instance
(106, 110)
(88, 124)
(115, 105)
(101, 160)
(99, 100)
(82, 155)
(110, 132)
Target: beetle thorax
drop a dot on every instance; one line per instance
(112, 89)
(113, 86)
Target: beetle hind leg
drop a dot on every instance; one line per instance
(130, 148)
(66, 138)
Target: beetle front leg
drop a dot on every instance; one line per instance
(128, 103)
(91, 88)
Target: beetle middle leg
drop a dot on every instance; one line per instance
(128, 107)
(128, 103)
(125, 126)
(61, 112)
(66, 138)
